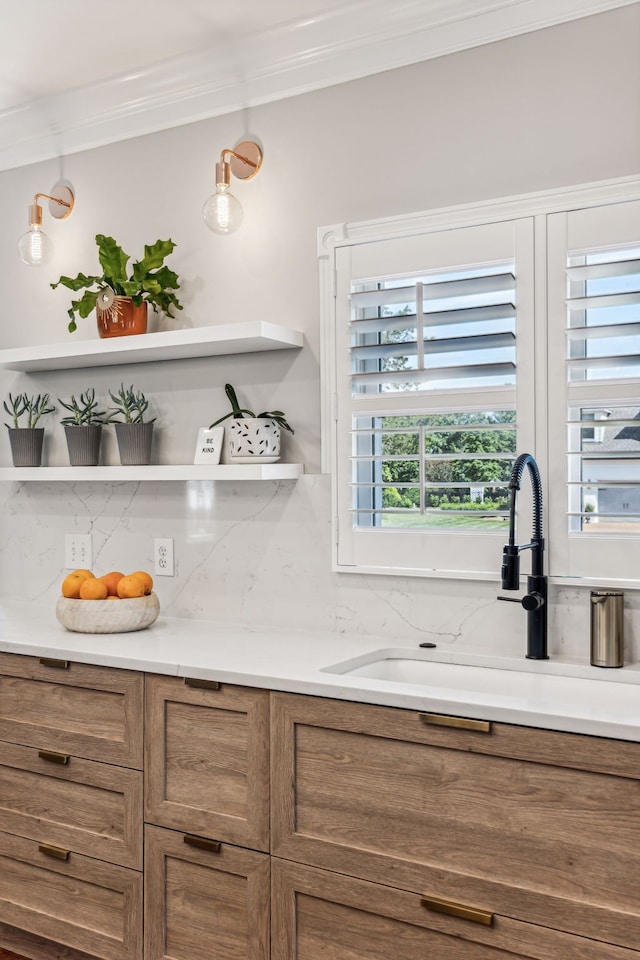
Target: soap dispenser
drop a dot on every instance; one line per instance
(607, 634)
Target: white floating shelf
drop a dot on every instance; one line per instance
(116, 474)
(251, 336)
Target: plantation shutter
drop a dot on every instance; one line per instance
(428, 335)
(601, 380)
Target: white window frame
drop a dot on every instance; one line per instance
(548, 365)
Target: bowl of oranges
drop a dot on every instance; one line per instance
(113, 603)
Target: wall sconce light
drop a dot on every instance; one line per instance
(222, 212)
(35, 247)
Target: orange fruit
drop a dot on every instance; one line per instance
(84, 573)
(111, 580)
(146, 578)
(93, 589)
(130, 587)
(71, 585)
(112, 597)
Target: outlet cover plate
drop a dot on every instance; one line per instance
(78, 553)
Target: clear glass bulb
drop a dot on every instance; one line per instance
(222, 212)
(35, 247)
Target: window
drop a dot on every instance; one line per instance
(457, 341)
(600, 394)
(429, 389)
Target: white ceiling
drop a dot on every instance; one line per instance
(75, 74)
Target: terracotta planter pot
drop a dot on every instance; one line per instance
(122, 318)
(83, 443)
(26, 446)
(134, 442)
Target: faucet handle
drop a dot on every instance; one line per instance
(532, 601)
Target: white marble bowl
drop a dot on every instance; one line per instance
(108, 616)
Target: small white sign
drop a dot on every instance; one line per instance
(209, 445)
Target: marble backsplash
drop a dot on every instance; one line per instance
(259, 553)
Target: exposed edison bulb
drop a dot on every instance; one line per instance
(35, 247)
(222, 212)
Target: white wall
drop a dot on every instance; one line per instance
(539, 111)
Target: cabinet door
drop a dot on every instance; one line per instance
(203, 900)
(86, 904)
(317, 914)
(207, 760)
(87, 711)
(546, 825)
(80, 805)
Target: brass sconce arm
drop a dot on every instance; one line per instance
(244, 162)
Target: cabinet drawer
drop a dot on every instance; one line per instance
(319, 914)
(207, 760)
(80, 805)
(204, 901)
(75, 708)
(541, 823)
(85, 904)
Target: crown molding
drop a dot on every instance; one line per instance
(374, 35)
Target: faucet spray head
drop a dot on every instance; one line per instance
(510, 567)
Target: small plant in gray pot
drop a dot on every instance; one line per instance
(83, 428)
(252, 436)
(27, 440)
(133, 432)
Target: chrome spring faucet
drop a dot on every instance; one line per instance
(535, 599)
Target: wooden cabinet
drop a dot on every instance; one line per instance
(75, 708)
(207, 775)
(71, 825)
(539, 827)
(84, 903)
(207, 760)
(318, 914)
(204, 900)
(367, 831)
(80, 805)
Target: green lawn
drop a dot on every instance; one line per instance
(436, 521)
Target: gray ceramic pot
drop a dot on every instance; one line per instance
(26, 446)
(134, 442)
(83, 443)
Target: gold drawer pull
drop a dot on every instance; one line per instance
(53, 757)
(457, 910)
(202, 684)
(213, 846)
(56, 852)
(57, 664)
(460, 723)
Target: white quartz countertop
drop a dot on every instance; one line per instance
(556, 694)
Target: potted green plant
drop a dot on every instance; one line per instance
(26, 441)
(252, 436)
(120, 295)
(133, 432)
(83, 428)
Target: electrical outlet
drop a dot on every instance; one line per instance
(163, 557)
(78, 554)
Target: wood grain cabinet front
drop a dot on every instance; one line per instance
(318, 914)
(60, 896)
(542, 826)
(204, 899)
(207, 760)
(75, 708)
(80, 805)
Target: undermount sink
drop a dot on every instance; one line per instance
(421, 669)
(505, 679)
